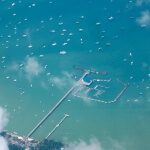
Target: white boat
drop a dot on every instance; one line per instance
(54, 44)
(60, 23)
(13, 4)
(80, 30)
(82, 17)
(53, 31)
(64, 30)
(65, 44)
(30, 46)
(41, 56)
(7, 77)
(62, 52)
(111, 18)
(98, 23)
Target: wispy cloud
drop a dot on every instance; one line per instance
(44, 85)
(141, 2)
(94, 144)
(3, 118)
(81, 91)
(63, 81)
(59, 82)
(3, 123)
(32, 67)
(81, 145)
(28, 34)
(144, 19)
(115, 145)
(13, 67)
(3, 144)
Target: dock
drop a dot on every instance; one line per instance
(95, 72)
(57, 104)
(122, 91)
(99, 92)
(57, 125)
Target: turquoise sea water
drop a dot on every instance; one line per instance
(34, 93)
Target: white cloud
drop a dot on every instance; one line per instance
(81, 92)
(63, 81)
(140, 2)
(32, 67)
(59, 82)
(27, 33)
(144, 19)
(3, 144)
(144, 64)
(3, 118)
(3, 123)
(115, 145)
(13, 67)
(44, 85)
(93, 145)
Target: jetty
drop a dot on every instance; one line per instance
(57, 104)
(95, 72)
(57, 125)
(122, 91)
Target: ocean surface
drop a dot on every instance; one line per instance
(105, 36)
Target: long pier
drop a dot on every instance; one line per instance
(57, 125)
(57, 104)
(96, 72)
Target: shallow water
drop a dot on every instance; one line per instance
(35, 92)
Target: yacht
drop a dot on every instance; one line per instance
(111, 18)
(62, 52)
(98, 23)
(30, 46)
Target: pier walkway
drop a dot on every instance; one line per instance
(57, 125)
(57, 104)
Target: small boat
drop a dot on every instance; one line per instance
(30, 46)
(108, 44)
(80, 30)
(41, 56)
(62, 52)
(98, 23)
(54, 44)
(60, 23)
(81, 17)
(7, 77)
(100, 48)
(111, 18)
(64, 30)
(53, 31)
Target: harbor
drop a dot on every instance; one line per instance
(99, 93)
(81, 81)
(46, 46)
(86, 89)
(57, 104)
